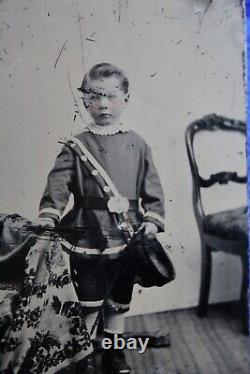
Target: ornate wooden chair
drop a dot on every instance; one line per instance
(225, 231)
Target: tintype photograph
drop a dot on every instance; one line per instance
(123, 210)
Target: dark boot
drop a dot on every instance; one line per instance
(114, 362)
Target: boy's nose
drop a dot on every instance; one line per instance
(103, 102)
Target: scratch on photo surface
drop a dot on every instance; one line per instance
(119, 8)
(221, 20)
(205, 12)
(76, 105)
(60, 53)
(91, 40)
(79, 18)
(119, 15)
(243, 59)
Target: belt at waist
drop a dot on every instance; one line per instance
(101, 203)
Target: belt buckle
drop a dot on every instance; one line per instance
(118, 204)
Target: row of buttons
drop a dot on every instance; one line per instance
(93, 172)
(74, 281)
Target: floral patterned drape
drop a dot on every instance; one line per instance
(47, 330)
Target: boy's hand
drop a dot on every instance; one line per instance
(149, 230)
(42, 223)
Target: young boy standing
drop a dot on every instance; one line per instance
(124, 161)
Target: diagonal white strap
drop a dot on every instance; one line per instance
(107, 180)
(97, 166)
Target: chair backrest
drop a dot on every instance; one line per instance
(211, 122)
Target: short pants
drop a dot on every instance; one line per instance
(102, 278)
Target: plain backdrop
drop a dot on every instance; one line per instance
(184, 60)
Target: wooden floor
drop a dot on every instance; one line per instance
(213, 345)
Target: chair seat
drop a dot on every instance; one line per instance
(230, 224)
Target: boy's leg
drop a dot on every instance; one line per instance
(86, 275)
(114, 317)
(114, 325)
(115, 308)
(91, 318)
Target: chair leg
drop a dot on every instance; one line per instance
(206, 265)
(244, 294)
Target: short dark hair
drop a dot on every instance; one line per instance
(105, 70)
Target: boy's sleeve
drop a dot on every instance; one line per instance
(152, 194)
(58, 188)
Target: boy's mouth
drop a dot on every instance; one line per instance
(104, 115)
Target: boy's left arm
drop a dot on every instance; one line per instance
(152, 198)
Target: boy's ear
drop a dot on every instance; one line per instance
(83, 98)
(126, 98)
(85, 103)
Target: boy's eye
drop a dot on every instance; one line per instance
(99, 96)
(94, 97)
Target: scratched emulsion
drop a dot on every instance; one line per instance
(184, 60)
(60, 52)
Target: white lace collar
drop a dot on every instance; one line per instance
(106, 130)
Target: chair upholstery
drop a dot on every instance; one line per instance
(225, 231)
(229, 224)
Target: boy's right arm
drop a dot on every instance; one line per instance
(43, 223)
(57, 190)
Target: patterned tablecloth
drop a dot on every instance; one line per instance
(45, 328)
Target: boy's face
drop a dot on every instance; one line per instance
(105, 100)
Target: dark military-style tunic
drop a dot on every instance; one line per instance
(127, 159)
